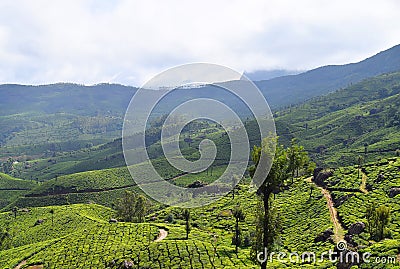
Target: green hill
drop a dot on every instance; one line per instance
(362, 119)
(79, 236)
(65, 117)
(12, 188)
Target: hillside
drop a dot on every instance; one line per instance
(334, 129)
(35, 120)
(101, 243)
(12, 188)
(284, 91)
(80, 236)
(362, 119)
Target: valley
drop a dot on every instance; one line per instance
(68, 199)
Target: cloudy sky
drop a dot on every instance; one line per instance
(129, 41)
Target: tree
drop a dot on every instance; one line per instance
(273, 181)
(140, 208)
(52, 216)
(5, 238)
(15, 211)
(8, 166)
(297, 158)
(377, 220)
(274, 227)
(132, 207)
(186, 216)
(285, 164)
(238, 214)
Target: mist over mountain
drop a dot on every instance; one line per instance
(270, 74)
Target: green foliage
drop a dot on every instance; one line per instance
(377, 220)
(186, 217)
(12, 188)
(132, 207)
(239, 215)
(335, 128)
(5, 238)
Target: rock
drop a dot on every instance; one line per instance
(350, 241)
(364, 170)
(393, 192)
(380, 178)
(324, 236)
(127, 264)
(39, 221)
(321, 175)
(339, 201)
(113, 221)
(316, 172)
(369, 187)
(356, 228)
(26, 210)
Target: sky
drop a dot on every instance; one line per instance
(130, 41)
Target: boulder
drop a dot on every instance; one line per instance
(350, 241)
(338, 201)
(127, 264)
(321, 175)
(113, 221)
(324, 236)
(356, 228)
(380, 178)
(393, 192)
(39, 221)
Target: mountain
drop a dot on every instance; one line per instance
(269, 74)
(288, 90)
(38, 119)
(363, 119)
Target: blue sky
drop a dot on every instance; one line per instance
(128, 42)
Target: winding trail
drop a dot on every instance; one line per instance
(337, 227)
(363, 186)
(20, 264)
(162, 235)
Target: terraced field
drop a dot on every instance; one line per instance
(12, 188)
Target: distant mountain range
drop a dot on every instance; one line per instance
(270, 74)
(287, 90)
(72, 112)
(113, 98)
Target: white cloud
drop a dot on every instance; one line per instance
(88, 41)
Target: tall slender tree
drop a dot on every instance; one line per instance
(186, 216)
(238, 214)
(52, 216)
(15, 211)
(273, 181)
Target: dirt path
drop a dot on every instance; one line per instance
(20, 264)
(337, 227)
(162, 235)
(363, 186)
